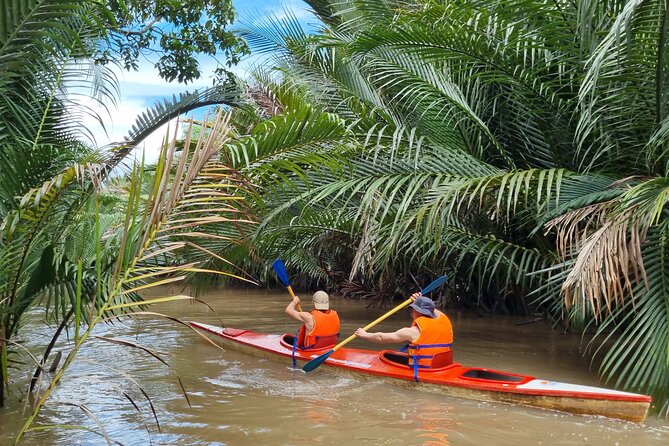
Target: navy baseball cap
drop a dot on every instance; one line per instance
(424, 305)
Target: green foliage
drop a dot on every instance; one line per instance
(51, 253)
(527, 157)
(187, 193)
(406, 138)
(179, 32)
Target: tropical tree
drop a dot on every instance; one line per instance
(48, 172)
(174, 35)
(190, 191)
(527, 156)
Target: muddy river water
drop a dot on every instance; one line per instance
(237, 399)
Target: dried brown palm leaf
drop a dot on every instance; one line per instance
(151, 229)
(607, 245)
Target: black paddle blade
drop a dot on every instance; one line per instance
(316, 362)
(280, 270)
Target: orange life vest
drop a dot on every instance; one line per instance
(436, 336)
(325, 332)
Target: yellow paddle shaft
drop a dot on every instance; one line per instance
(404, 304)
(290, 290)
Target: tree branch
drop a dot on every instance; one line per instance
(147, 28)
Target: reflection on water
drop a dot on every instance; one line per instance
(238, 399)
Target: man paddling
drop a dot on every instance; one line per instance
(320, 327)
(430, 336)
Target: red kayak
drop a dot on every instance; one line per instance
(451, 379)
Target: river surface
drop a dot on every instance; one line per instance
(238, 399)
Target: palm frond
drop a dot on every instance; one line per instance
(193, 180)
(163, 112)
(638, 359)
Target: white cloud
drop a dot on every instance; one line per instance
(117, 124)
(140, 89)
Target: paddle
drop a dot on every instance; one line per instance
(316, 362)
(280, 270)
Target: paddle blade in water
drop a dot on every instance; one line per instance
(316, 362)
(280, 270)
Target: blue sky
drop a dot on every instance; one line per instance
(139, 90)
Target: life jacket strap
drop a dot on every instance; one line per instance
(416, 357)
(417, 366)
(419, 346)
(334, 336)
(297, 334)
(308, 347)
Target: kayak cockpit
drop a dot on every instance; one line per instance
(440, 362)
(288, 339)
(444, 361)
(475, 374)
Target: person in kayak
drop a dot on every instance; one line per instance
(430, 336)
(320, 327)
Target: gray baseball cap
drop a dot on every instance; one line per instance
(424, 305)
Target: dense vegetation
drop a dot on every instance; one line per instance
(67, 245)
(520, 145)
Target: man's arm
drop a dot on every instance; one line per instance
(407, 334)
(301, 316)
